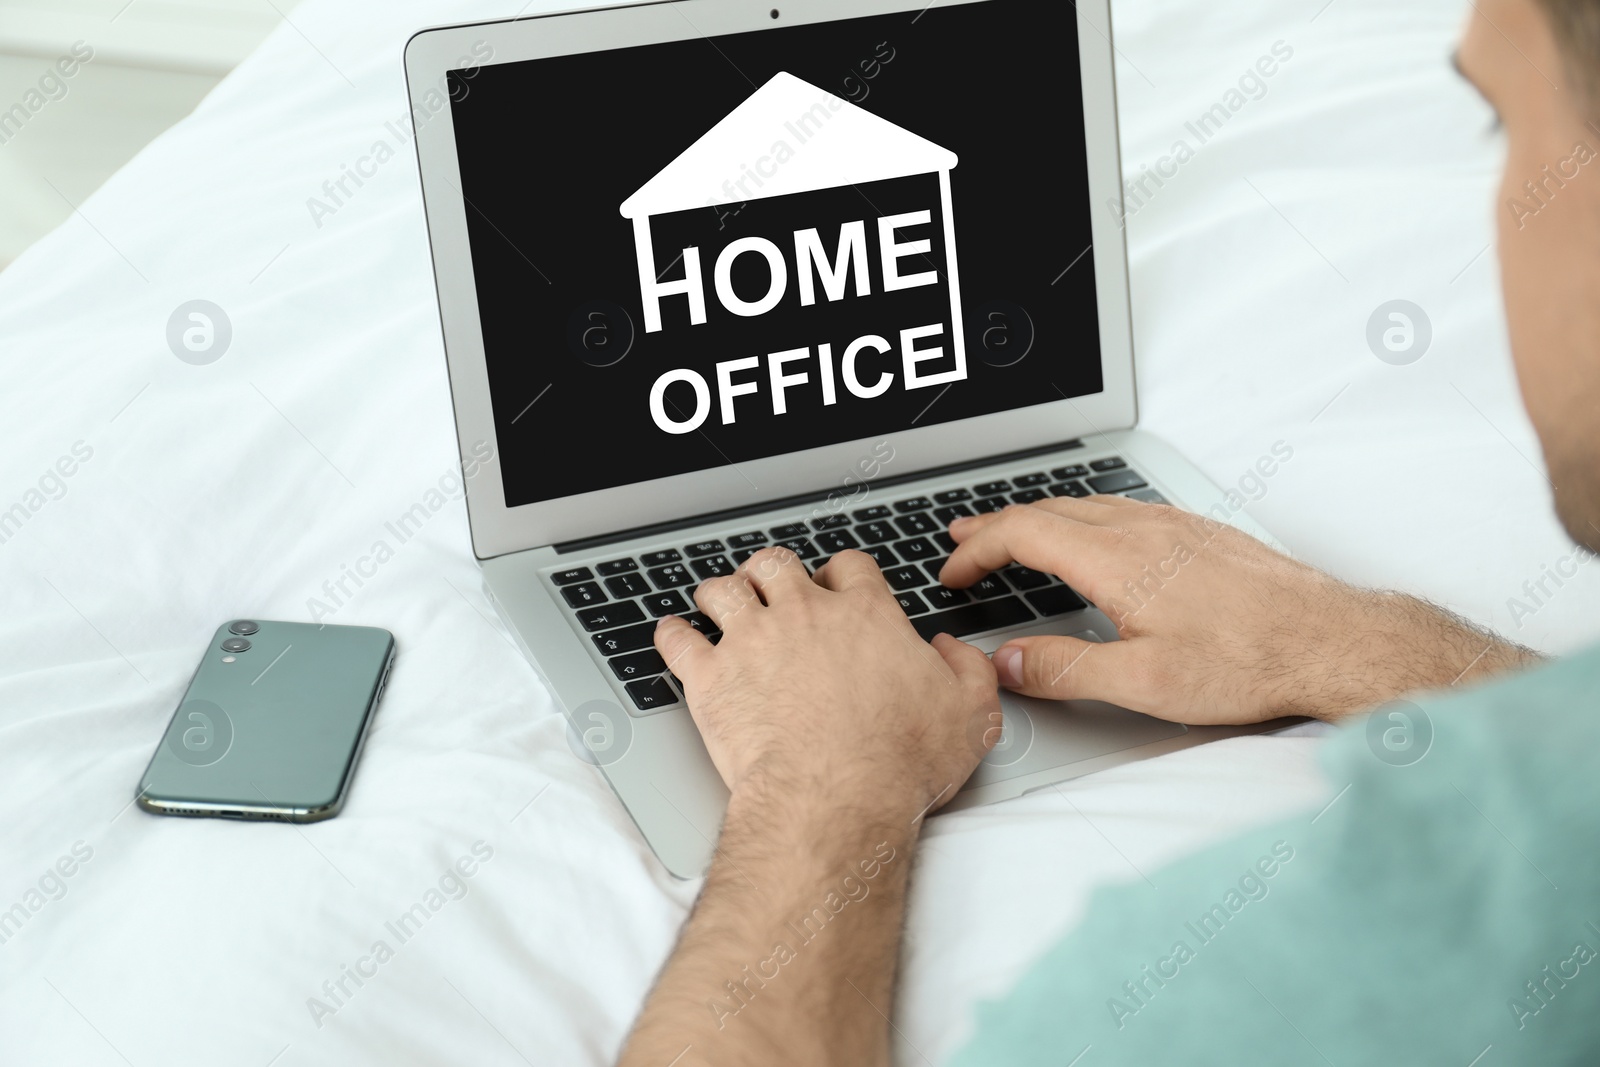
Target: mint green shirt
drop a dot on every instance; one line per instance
(1444, 908)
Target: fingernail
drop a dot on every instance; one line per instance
(1008, 666)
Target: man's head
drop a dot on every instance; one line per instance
(1537, 62)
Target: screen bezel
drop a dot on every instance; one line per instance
(498, 529)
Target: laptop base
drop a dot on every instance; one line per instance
(655, 761)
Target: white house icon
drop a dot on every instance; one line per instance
(833, 141)
(789, 138)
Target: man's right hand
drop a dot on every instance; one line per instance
(1216, 627)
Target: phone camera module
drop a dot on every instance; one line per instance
(235, 644)
(243, 627)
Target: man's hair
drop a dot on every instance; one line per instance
(1576, 25)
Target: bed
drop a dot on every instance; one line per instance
(1360, 172)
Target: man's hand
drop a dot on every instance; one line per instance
(823, 685)
(1216, 626)
(836, 728)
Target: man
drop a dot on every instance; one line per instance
(1447, 911)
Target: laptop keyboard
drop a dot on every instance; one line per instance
(616, 603)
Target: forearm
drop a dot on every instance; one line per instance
(789, 957)
(1399, 644)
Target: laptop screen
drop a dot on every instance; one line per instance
(715, 250)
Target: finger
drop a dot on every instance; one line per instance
(1096, 510)
(725, 598)
(970, 665)
(1091, 509)
(776, 572)
(965, 527)
(851, 570)
(1067, 668)
(685, 649)
(975, 675)
(1038, 539)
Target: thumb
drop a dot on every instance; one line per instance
(1065, 668)
(683, 647)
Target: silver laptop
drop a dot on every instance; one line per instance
(716, 275)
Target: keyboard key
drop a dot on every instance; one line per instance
(801, 547)
(916, 548)
(606, 616)
(745, 540)
(652, 694)
(743, 554)
(656, 559)
(617, 566)
(1109, 464)
(705, 548)
(913, 525)
(904, 578)
(939, 597)
(876, 533)
(883, 554)
(830, 522)
(576, 574)
(916, 503)
(702, 622)
(671, 576)
(944, 541)
(951, 496)
(991, 488)
(1076, 470)
(638, 665)
(1149, 496)
(989, 586)
(1116, 482)
(712, 567)
(872, 514)
(794, 529)
(626, 639)
(945, 516)
(1056, 600)
(670, 602)
(911, 603)
(1074, 489)
(1028, 496)
(989, 503)
(581, 596)
(836, 541)
(934, 566)
(975, 618)
(627, 585)
(1025, 578)
(1028, 481)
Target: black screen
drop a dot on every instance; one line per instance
(819, 315)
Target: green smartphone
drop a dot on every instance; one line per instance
(272, 723)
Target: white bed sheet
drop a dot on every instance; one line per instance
(239, 488)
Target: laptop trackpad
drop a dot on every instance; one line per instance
(1038, 735)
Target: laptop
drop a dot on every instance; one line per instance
(716, 275)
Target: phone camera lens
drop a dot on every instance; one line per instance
(235, 644)
(244, 627)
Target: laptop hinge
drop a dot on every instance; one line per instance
(638, 532)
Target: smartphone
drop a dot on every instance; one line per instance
(272, 723)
